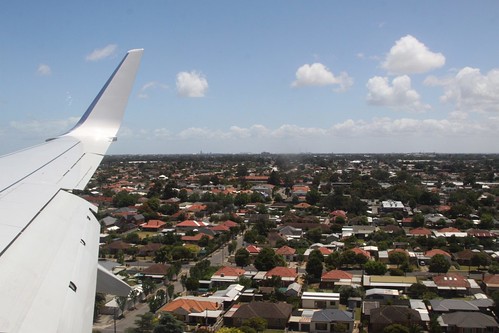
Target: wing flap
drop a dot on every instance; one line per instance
(60, 248)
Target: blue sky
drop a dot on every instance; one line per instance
(275, 76)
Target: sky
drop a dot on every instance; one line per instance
(281, 76)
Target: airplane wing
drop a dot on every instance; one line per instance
(49, 238)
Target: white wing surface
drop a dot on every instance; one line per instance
(49, 237)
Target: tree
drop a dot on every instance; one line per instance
(145, 324)
(375, 268)
(348, 257)
(229, 330)
(192, 284)
(397, 258)
(100, 300)
(396, 328)
(439, 264)
(480, 259)
(124, 199)
(314, 268)
(170, 290)
(148, 286)
(258, 323)
(266, 259)
(417, 290)
(157, 301)
(313, 197)
(242, 257)
(168, 324)
(121, 301)
(314, 235)
(134, 296)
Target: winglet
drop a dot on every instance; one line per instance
(103, 117)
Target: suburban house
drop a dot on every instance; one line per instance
(226, 275)
(331, 320)
(156, 271)
(318, 300)
(391, 282)
(286, 274)
(190, 225)
(188, 310)
(153, 225)
(276, 314)
(287, 252)
(452, 284)
(491, 283)
(335, 277)
(463, 322)
(392, 314)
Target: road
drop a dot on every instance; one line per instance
(106, 323)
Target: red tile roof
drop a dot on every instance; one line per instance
(195, 238)
(361, 251)
(252, 249)
(285, 250)
(153, 224)
(220, 227)
(229, 271)
(282, 272)
(491, 279)
(336, 275)
(420, 232)
(191, 223)
(434, 252)
(451, 280)
(189, 305)
(325, 251)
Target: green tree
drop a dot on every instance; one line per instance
(124, 199)
(157, 301)
(229, 330)
(266, 259)
(348, 257)
(375, 268)
(148, 286)
(313, 197)
(121, 301)
(396, 328)
(192, 284)
(314, 268)
(417, 290)
(314, 235)
(480, 259)
(168, 324)
(242, 257)
(257, 323)
(439, 264)
(145, 323)
(398, 258)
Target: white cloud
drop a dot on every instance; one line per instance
(152, 85)
(470, 90)
(99, 54)
(398, 95)
(191, 84)
(44, 70)
(319, 75)
(49, 127)
(409, 55)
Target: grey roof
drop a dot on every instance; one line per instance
(482, 303)
(468, 320)
(108, 220)
(332, 315)
(448, 305)
(289, 230)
